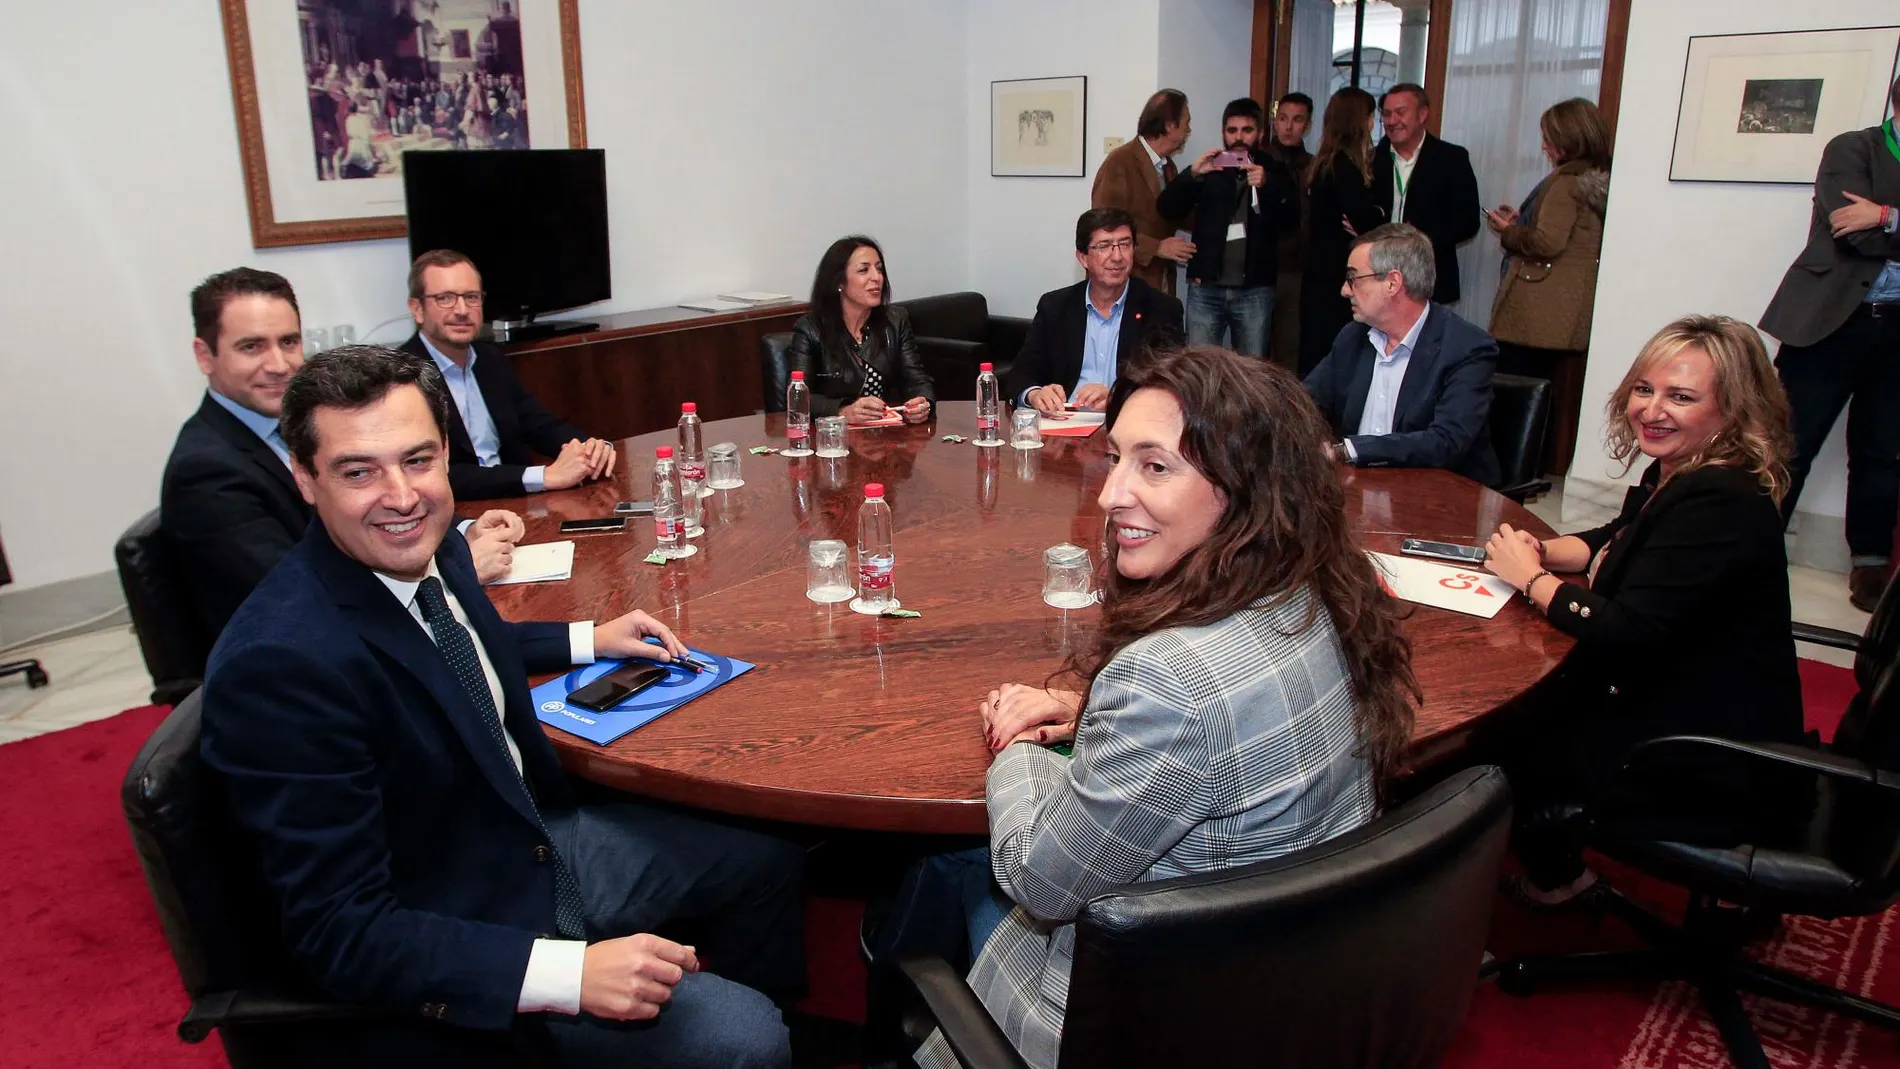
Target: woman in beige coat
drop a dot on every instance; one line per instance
(1541, 318)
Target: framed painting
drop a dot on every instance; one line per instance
(330, 93)
(1036, 127)
(1760, 107)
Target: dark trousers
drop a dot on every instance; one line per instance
(735, 896)
(1861, 361)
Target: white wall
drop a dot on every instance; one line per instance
(1674, 248)
(1205, 48)
(1022, 230)
(741, 137)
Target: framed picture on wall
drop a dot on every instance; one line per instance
(1760, 107)
(1036, 127)
(330, 93)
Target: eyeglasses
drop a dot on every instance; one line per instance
(1123, 245)
(446, 301)
(1352, 279)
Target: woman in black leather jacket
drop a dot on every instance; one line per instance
(856, 350)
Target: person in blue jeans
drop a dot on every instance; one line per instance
(1242, 204)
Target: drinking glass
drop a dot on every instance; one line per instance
(723, 467)
(828, 575)
(830, 436)
(1067, 577)
(1025, 428)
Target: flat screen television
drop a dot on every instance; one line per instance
(534, 222)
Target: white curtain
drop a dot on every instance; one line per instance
(1310, 65)
(1508, 61)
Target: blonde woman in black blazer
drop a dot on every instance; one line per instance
(1679, 605)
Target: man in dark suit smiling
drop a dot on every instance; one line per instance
(1083, 333)
(368, 715)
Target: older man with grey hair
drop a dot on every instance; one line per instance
(1408, 383)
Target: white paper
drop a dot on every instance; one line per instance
(542, 563)
(715, 304)
(1077, 417)
(755, 296)
(1472, 591)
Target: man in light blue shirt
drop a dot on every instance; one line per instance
(496, 425)
(1083, 335)
(1408, 384)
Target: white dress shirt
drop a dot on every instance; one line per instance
(553, 980)
(1401, 182)
(1388, 376)
(1157, 160)
(466, 394)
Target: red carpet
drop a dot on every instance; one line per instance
(86, 979)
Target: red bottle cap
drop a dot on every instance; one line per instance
(798, 376)
(986, 366)
(873, 489)
(689, 408)
(663, 452)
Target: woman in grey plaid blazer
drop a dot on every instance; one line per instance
(1249, 692)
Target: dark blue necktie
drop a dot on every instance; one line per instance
(459, 649)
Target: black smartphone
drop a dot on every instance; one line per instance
(633, 508)
(617, 686)
(598, 523)
(1452, 551)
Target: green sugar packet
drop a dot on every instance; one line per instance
(760, 450)
(902, 612)
(656, 557)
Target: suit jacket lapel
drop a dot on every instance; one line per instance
(1075, 333)
(245, 441)
(1421, 370)
(459, 440)
(1360, 386)
(387, 625)
(1149, 173)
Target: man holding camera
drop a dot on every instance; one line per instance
(1241, 206)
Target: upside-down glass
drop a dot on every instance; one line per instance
(1025, 428)
(1067, 577)
(722, 463)
(830, 433)
(829, 578)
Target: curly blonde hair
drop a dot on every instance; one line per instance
(1755, 431)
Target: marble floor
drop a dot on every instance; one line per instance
(99, 673)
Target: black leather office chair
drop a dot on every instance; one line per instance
(955, 332)
(170, 638)
(1838, 855)
(217, 915)
(775, 368)
(1520, 411)
(1362, 950)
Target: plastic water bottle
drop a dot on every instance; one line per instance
(669, 514)
(797, 417)
(877, 560)
(692, 469)
(989, 407)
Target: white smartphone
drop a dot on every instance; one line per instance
(1452, 551)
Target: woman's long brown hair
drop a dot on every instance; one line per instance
(1251, 430)
(1345, 131)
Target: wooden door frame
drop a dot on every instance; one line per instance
(1272, 48)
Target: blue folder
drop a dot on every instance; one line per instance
(680, 686)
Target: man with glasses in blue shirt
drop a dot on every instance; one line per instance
(495, 425)
(1084, 334)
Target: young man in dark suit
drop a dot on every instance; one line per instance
(1408, 383)
(1421, 180)
(495, 424)
(1837, 314)
(368, 718)
(228, 507)
(1082, 334)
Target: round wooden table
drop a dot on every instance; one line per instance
(870, 722)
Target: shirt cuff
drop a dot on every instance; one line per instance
(1352, 454)
(552, 983)
(1893, 220)
(464, 526)
(580, 642)
(1022, 399)
(534, 480)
